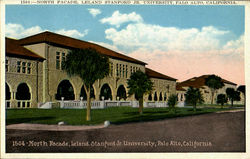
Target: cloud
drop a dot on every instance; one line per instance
(182, 53)
(117, 18)
(72, 33)
(94, 12)
(18, 31)
(140, 35)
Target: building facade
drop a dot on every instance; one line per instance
(34, 73)
(199, 82)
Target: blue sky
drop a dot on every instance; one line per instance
(158, 35)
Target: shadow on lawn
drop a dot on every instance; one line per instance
(26, 120)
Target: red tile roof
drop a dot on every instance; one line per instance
(199, 82)
(64, 41)
(14, 49)
(154, 74)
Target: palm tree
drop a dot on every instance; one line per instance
(194, 96)
(172, 101)
(90, 66)
(213, 82)
(139, 84)
(233, 95)
(221, 99)
(242, 88)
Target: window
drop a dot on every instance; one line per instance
(23, 67)
(7, 65)
(117, 71)
(126, 71)
(58, 60)
(131, 70)
(18, 66)
(63, 59)
(28, 67)
(120, 70)
(123, 70)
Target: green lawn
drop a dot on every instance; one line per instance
(116, 115)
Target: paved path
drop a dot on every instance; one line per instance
(215, 132)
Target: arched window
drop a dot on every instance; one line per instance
(121, 92)
(165, 96)
(155, 97)
(84, 94)
(106, 92)
(65, 89)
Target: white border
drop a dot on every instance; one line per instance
(124, 155)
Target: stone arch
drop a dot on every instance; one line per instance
(155, 97)
(84, 94)
(160, 97)
(150, 97)
(7, 92)
(106, 92)
(23, 92)
(65, 89)
(165, 96)
(121, 92)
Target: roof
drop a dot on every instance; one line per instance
(64, 41)
(199, 82)
(14, 49)
(154, 74)
(179, 88)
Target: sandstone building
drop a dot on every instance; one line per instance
(34, 73)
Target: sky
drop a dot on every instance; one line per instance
(178, 41)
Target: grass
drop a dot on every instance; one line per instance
(116, 115)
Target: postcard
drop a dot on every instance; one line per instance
(124, 79)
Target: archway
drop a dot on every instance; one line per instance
(7, 92)
(155, 97)
(121, 92)
(106, 92)
(84, 94)
(23, 92)
(7, 95)
(165, 96)
(150, 97)
(65, 89)
(160, 98)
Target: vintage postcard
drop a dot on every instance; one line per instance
(124, 79)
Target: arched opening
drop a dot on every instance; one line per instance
(106, 92)
(121, 92)
(7, 95)
(23, 94)
(7, 92)
(160, 98)
(84, 94)
(150, 97)
(165, 96)
(155, 97)
(65, 89)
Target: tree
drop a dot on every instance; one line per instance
(232, 95)
(139, 84)
(213, 82)
(194, 96)
(90, 66)
(172, 101)
(221, 99)
(242, 88)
